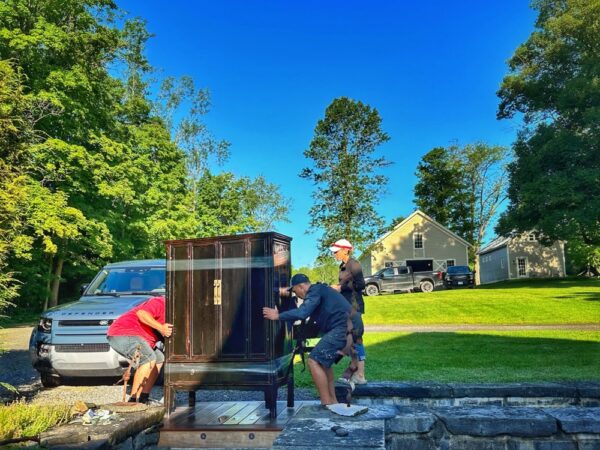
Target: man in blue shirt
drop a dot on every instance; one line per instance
(330, 310)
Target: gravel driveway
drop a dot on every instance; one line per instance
(16, 369)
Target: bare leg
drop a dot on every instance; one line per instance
(361, 369)
(330, 385)
(320, 378)
(141, 376)
(152, 378)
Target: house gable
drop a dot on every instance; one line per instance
(398, 245)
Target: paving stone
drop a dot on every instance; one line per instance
(541, 444)
(311, 426)
(466, 443)
(90, 445)
(410, 443)
(495, 421)
(589, 443)
(587, 389)
(411, 420)
(393, 389)
(577, 419)
(513, 390)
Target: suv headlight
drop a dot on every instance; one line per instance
(45, 325)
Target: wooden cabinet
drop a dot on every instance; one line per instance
(216, 289)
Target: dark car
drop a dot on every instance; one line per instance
(401, 279)
(459, 276)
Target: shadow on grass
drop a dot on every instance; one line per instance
(476, 358)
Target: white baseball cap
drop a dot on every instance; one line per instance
(340, 244)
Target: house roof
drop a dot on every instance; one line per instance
(499, 242)
(436, 224)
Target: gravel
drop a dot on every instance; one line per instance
(16, 369)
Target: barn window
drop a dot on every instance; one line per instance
(531, 237)
(418, 240)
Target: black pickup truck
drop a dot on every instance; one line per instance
(401, 278)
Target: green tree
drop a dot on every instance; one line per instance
(553, 82)
(463, 187)
(440, 191)
(345, 174)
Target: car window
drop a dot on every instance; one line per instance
(128, 280)
(389, 272)
(458, 269)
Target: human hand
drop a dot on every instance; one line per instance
(337, 287)
(166, 330)
(283, 292)
(270, 313)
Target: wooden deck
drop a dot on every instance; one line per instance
(225, 425)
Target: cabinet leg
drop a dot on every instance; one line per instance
(169, 399)
(290, 391)
(192, 399)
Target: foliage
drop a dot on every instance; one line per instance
(93, 166)
(582, 258)
(462, 187)
(324, 270)
(344, 172)
(27, 420)
(553, 82)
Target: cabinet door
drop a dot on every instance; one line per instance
(205, 309)
(260, 262)
(177, 295)
(234, 299)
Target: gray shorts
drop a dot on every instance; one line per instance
(326, 350)
(127, 345)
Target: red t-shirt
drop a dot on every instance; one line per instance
(130, 325)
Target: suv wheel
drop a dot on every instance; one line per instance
(50, 381)
(426, 286)
(371, 290)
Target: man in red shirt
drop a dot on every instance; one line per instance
(138, 329)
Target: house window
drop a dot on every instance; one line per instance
(531, 237)
(522, 267)
(418, 240)
(449, 262)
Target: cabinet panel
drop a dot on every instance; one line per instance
(205, 318)
(178, 260)
(259, 295)
(234, 307)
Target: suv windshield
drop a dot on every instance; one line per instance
(128, 280)
(458, 269)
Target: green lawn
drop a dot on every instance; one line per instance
(562, 301)
(478, 357)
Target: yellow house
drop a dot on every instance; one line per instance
(419, 242)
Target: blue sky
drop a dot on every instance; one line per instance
(431, 68)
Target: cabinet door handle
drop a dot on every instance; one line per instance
(217, 292)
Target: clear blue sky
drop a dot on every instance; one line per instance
(431, 68)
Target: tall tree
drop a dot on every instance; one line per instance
(440, 191)
(462, 188)
(553, 82)
(345, 174)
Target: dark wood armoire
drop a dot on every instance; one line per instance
(216, 289)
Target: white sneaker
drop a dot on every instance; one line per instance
(358, 380)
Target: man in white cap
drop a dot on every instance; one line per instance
(351, 285)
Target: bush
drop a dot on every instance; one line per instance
(20, 419)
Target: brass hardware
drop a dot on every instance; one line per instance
(217, 292)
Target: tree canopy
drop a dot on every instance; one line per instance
(345, 173)
(554, 82)
(97, 163)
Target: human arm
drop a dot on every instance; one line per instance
(310, 303)
(352, 278)
(166, 329)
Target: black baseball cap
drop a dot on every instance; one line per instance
(299, 278)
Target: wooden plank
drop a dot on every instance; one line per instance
(217, 439)
(242, 414)
(186, 415)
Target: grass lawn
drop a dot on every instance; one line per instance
(559, 301)
(478, 357)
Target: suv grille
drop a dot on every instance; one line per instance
(84, 323)
(82, 348)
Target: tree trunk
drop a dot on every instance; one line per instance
(48, 282)
(56, 280)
